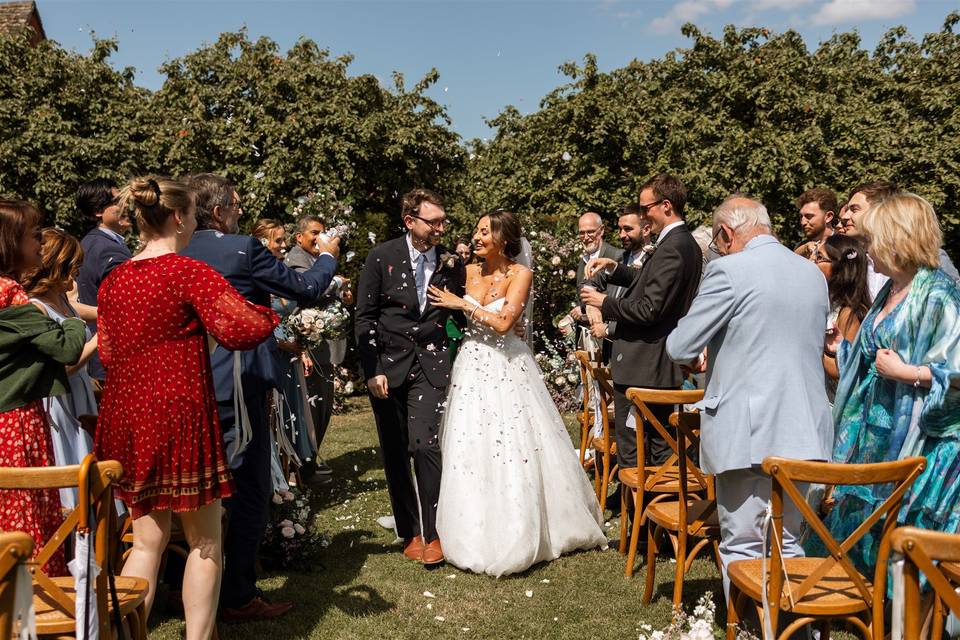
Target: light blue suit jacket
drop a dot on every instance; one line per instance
(762, 313)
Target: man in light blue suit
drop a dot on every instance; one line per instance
(761, 312)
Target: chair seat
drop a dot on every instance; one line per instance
(834, 594)
(666, 513)
(51, 619)
(601, 447)
(951, 570)
(668, 483)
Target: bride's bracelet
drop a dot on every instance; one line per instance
(475, 309)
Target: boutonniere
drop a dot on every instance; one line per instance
(649, 248)
(447, 260)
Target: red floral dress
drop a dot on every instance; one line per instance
(159, 414)
(25, 442)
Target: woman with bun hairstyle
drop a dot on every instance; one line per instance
(159, 415)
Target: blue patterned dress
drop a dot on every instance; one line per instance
(879, 420)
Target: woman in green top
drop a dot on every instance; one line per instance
(33, 352)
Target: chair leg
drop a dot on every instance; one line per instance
(605, 481)
(825, 630)
(733, 615)
(651, 564)
(634, 536)
(681, 557)
(624, 491)
(597, 473)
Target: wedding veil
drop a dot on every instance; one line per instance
(526, 259)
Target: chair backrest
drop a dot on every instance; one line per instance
(687, 425)
(921, 548)
(604, 379)
(643, 399)
(583, 361)
(787, 472)
(15, 549)
(93, 480)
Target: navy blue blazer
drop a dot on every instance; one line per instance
(101, 254)
(256, 274)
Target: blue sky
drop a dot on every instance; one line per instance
(489, 54)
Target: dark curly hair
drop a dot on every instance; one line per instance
(848, 274)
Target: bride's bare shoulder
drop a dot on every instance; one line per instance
(516, 269)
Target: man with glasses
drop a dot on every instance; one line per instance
(653, 301)
(257, 275)
(403, 347)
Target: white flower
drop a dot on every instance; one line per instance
(561, 381)
(566, 156)
(277, 498)
(571, 275)
(299, 529)
(287, 532)
(285, 523)
(573, 378)
(287, 496)
(372, 237)
(555, 261)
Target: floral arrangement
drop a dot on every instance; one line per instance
(344, 386)
(312, 325)
(337, 216)
(560, 372)
(699, 626)
(290, 541)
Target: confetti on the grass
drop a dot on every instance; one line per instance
(427, 594)
(528, 593)
(545, 581)
(439, 618)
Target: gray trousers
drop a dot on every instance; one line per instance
(742, 498)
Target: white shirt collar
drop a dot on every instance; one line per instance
(113, 234)
(415, 254)
(667, 229)
(587, 257)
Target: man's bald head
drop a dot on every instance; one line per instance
(590, 230)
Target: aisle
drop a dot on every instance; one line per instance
(369, 590)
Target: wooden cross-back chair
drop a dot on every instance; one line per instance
(687, 516)
(586, 411)
(819, 590)
(921, 549)
(604, 447)
(658, 481)
(54, 598)
(15, 549)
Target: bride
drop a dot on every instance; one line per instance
(513, 493)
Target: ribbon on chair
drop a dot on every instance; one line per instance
(896, 612)
(767, 627)
(24, 615)
(240, 414)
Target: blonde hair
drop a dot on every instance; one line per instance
(903, 232)
(154, 199)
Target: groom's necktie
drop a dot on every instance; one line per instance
(420, 276)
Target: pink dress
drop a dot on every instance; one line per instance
(158, 416)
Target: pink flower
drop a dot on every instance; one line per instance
(287, 532)
(299, 529)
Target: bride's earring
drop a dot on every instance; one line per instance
(180, 229)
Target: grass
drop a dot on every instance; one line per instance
(368, 590)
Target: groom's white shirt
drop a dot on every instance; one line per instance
(428, 268)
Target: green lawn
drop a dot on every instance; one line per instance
(368, 590)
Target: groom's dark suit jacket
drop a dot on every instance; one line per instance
(391, 332)
(654, 300)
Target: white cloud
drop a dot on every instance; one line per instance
(841, 11)
(687, 11)
(776, 5)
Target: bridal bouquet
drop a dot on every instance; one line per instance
(290, 541)
(313, 325)
(560, 373)
(699, 626)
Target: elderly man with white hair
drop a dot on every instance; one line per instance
(761, 313)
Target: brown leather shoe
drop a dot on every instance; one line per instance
(256, 609)
(432, 553)
(413, 548)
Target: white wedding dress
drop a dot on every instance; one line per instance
(513, 493)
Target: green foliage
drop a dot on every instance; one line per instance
(749, 111)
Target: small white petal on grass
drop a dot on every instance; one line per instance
(427, 594)
(528, 593)
(439, 618)
(545, 581)
(429, 605)
(451, 576)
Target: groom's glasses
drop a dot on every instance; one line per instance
(436, 225)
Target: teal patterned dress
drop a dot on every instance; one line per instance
(879, 420)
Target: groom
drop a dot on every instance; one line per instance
(402, 341)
